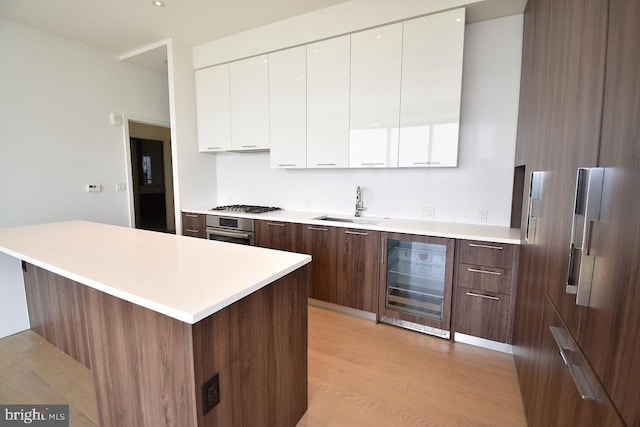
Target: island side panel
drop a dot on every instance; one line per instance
(56, 311)
(142, 364)
(258, 347)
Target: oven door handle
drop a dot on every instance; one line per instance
(228, 234)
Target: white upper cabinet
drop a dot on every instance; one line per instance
(250, 103)
(431, 88)
(375, 97)
(288, 108)
(328, 103)
(213, 108)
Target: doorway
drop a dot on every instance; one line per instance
(152, 177)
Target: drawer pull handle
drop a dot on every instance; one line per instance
(426, 163)
(287, 164)
(471, 294)
(474, 270)
(356, 233)
(191, 215)
(317, 229)
(325, 164)
(248, 146)
(372, 164)
(192, 231)
(214, 148)
(475, 245)
(275, 224)
(577, 374)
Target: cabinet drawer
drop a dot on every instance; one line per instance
(482, 314)
(486, 253)
(193, 221)
(194, 232)
(489, 279)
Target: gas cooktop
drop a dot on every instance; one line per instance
(246, 208)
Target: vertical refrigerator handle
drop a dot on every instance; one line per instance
(586, 211)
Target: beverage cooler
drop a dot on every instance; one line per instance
(415, 292)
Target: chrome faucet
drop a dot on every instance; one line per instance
(359, 205)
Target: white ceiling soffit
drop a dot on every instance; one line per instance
(121, 26)
(490, 9)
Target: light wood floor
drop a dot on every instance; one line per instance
(360, 374)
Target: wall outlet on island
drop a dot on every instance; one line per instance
(483, 215)
(428, 213)
(210, 394)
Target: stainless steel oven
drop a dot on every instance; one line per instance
(229, 229)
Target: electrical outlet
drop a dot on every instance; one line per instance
(210, 394)
(428, 213)
(483, 215)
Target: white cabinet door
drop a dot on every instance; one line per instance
(213, 108)
(328, 103)
(250, 104)
(431, 88)
(288, 108)
(375, 97)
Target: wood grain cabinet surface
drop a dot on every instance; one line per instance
(284, 236)
(321, 243)
(485, 289)
(358, 257)
(194, 225)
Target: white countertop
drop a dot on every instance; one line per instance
(486, 233)
(182, 277)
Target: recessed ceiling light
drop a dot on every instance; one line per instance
(158, 3)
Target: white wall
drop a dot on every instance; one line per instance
(194, 173)
(56, 137)
(483, 180)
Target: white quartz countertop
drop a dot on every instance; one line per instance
(182, 277)
(486, 233)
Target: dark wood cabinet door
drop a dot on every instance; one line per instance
(611, 337)
(559, 125)
(358, 258)
(562, 404)
(320, 242)
(575, 84)
(283, 236)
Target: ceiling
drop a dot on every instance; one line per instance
(129, 29)
(124, 26)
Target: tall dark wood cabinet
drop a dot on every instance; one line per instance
(580, 107)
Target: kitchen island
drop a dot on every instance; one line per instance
(169, 325)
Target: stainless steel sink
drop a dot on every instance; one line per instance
(349, 220)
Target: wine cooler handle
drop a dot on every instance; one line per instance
(586, 208)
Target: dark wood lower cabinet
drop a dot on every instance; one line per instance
(321, 243)
(194, 225)
(149, 368)
(358, 259)
(284, 236)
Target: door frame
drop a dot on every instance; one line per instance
(127, 159)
